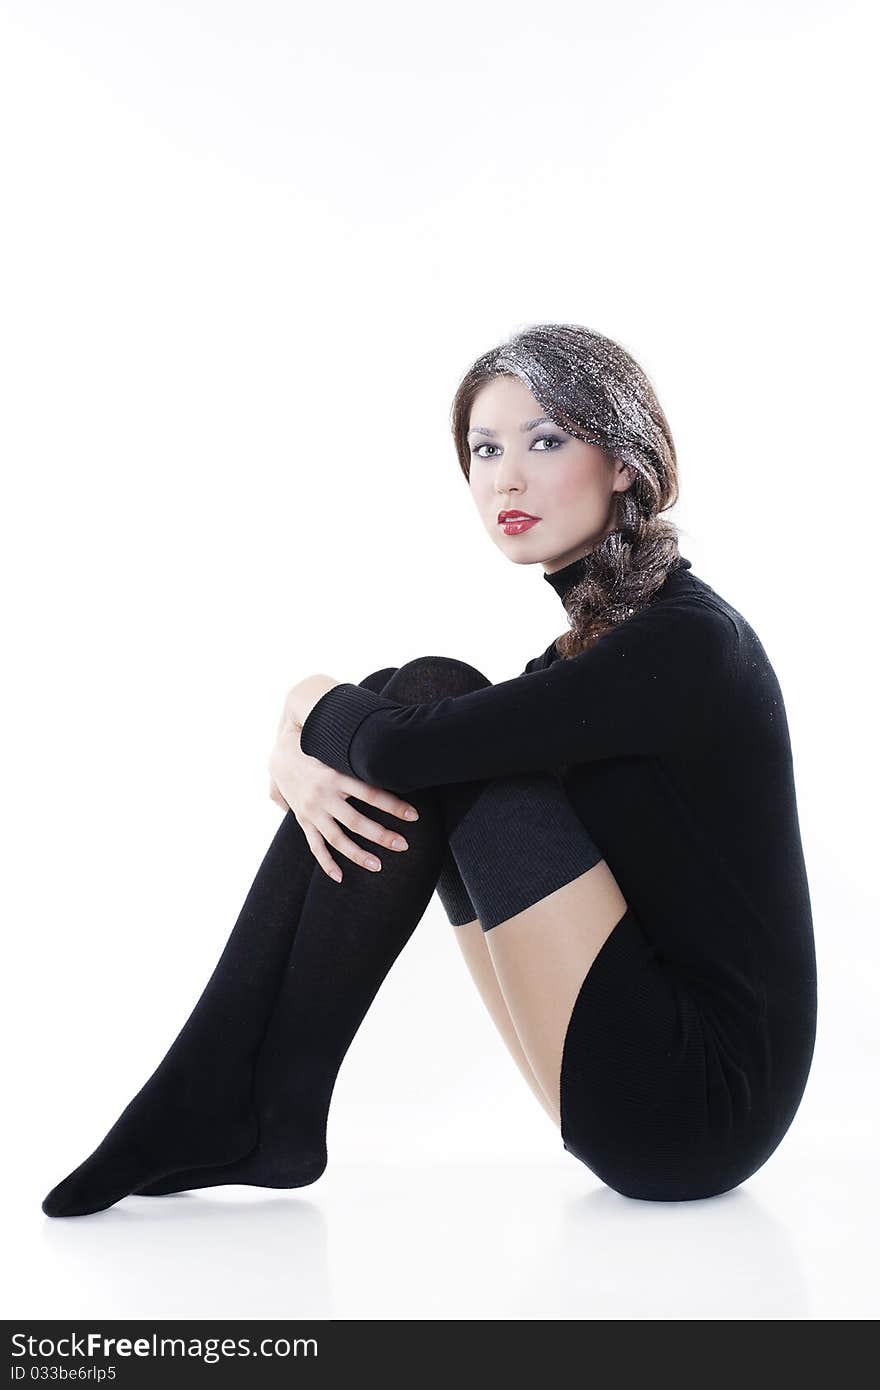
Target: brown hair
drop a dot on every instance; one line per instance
(593, 389)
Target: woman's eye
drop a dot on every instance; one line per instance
(542, 439)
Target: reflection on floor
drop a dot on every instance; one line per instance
(452, 1241)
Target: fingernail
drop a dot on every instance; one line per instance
(337, 875)
(373, 863)
(398, 843)
(411, 814)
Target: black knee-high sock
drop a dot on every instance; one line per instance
(515, 841)
(348, 938)
(197, 1106)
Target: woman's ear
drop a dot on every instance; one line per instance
(625, 475)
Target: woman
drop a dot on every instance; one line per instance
(613, 833)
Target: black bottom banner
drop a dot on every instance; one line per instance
(137, 1353)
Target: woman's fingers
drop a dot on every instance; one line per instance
(320, 851)
(378, 796)
(371, 829)
(335, 836)
(318, 839)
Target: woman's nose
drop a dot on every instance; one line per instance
(509, 475)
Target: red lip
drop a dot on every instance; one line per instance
(517, 523)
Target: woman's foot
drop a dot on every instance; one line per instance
(165, 1128)
(276, 1160)
(198, 1107)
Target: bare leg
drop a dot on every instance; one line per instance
(472, 941)
(541, 958)
(545, 900)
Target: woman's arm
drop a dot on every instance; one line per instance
(660, 682)
(303, 697)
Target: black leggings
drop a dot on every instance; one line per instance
(661, 1097)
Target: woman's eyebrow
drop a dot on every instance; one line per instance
(529, 425)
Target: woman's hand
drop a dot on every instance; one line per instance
(316, 793)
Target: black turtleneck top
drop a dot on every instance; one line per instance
(671, 737)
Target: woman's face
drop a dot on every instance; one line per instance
(521, 461)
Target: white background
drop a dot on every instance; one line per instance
(247, 252)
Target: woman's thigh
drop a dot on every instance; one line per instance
(472, 943)
(541, 957)
(650, 1090)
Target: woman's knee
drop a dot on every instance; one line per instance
(433, 677)
(377, 680)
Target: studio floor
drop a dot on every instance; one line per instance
(455, 1241)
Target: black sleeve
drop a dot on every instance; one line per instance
(660, 682)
